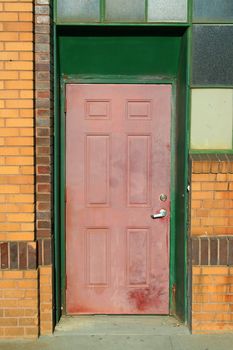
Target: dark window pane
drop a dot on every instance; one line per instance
(125, 10)
(212, 54)
(78, 11)
(213, 11)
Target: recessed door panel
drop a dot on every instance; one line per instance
(117, 166)
(97, 170)
(139, 170)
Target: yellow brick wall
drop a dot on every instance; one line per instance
(212, 221)
(18, 304)
(212, 205)
(212, 299)
(16, 121)
(46, 303)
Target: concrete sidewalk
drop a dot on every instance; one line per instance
(122, 332)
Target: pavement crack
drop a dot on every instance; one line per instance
(170, 340)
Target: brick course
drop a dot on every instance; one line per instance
(18, 255)
(212, 251)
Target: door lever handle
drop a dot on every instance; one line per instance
(161, 214)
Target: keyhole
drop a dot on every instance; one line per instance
(163, 197)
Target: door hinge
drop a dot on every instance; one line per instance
(65, 107)
(66, 282)
(174, 290)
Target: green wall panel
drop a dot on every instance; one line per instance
(181, 182)
(131, 52)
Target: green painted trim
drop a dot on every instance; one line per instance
(63, 194)
(125, 24)
(213, 24)
(146, 10)
(188, 280)
(102, 10)
(188, 306)
(209, 22)
(190, 63)
(210, 151)
(181, 187)
(190, 11)
(54, 4)
(230, 87)
(206, 21)
(114, 79)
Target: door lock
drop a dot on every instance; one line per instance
(163, 197)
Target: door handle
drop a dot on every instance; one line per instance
(161, 214)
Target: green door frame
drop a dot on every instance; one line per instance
(59, 176)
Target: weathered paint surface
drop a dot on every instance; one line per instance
(117, 165)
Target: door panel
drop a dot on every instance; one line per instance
(117, 166)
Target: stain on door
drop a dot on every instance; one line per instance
(117, 178)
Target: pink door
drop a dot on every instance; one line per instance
(117, 168)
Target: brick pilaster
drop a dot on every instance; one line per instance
(44, 156)
(44, 113)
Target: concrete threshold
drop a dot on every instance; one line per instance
(122, 333)
(120, 325)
